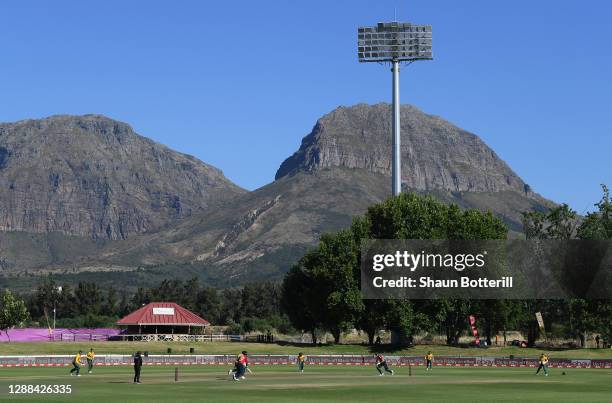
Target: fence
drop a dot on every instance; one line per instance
(60, 334)
(80, 337)
(271, 359)
(85, 335)
(178, 337)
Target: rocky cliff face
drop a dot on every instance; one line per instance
(95, 177)
(435, 153)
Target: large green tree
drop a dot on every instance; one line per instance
(13, 312)
(331, 272)
(334, 269)
(301, 297)
(411, 216)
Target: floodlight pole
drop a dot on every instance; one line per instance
(396, 184)
(394, 42)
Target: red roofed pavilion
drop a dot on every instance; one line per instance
(163, 317)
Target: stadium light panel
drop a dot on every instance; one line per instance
(394, 41)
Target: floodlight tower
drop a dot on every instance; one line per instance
(394, 42)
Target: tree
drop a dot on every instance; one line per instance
(410, 216)
(373, 317)
(333, 267)
(67, 305)
(189, 297)
(582, 316)
(111, 305)
(497, 315)
(260, 300)
(168, 290)
(13, 312)
(88, 297)
(533, 224)
(593, 315)
(558, 223)
(604, 310)
(231, 305)
(125, 306)
(141, 297)
(400, 319)
(329, 296)
(598, 224)
(454, 314)
(561, 222)
(333, 299)
(47, 296)
(208, 305)
(506, 316)
(299, 299)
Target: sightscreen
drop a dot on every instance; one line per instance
(388, 41)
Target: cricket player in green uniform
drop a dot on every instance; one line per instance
(301, 358)
(76, 364)
(543, 364)
(428, 360)
(90, 360)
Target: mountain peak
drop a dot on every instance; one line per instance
(66, 119)
(436, 154)
(92, 176)
(61, 125)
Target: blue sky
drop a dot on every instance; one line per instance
(239, 83)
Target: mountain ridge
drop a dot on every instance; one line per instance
(341, 168)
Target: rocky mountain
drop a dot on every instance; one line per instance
(340, 169)
(94, 177)
(437, 155)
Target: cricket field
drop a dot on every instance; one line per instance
(284, 383)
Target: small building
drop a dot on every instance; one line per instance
(163, 318)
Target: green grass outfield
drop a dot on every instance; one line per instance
(116, 347)
(316, 384)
